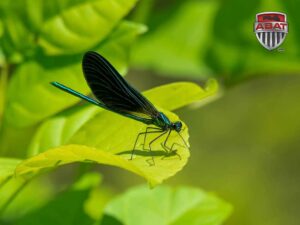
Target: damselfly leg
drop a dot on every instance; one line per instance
(155, 130)
(170, 151)
(151, 142)
(149, 130)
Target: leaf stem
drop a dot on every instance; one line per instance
(4, 181)
(3, 85)
(143, 10)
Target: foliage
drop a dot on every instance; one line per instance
(7, 167)
(107, 148)
(43, 128)
(164, 205)
(176, 206)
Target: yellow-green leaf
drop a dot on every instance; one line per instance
(7, 167)
(29, 91)
(109, 138)
(61, 128)
(117, 154)
(179, 94)
(83, 26)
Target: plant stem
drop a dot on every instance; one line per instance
(4, 181)
(3, 86)
(142, 13)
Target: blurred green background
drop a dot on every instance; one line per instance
(244, 145)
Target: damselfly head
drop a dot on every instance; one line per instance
(177, 126)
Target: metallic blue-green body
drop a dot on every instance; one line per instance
(90, 100)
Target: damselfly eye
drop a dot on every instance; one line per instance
(177, 126)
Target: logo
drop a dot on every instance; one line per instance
(271, 29)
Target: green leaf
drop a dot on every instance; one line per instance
(46, 190)
(58, 26)
(82, 27)
(115, 140)
(7, 167)
(118, 44)
(69, 205)
(3, 85)
(114, 146)
(168, 206)
(16, 39)
(163, 168)
(17, 193)
(98, 198)
(186, 93)
(60, 129)
(30, 96)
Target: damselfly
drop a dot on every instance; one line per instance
(113, 93)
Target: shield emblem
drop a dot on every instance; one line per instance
(271, 29)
